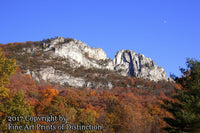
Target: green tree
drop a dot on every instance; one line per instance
(185, 107)
(16, 106)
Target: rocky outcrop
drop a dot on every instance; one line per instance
(77, 52)
(137, 65)
(51, 75)
(126, 62)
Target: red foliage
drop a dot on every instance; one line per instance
(136, 109)
(19, 81)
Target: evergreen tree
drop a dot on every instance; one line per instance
(185, 107)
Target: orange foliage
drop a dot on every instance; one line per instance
(49, 93)
(132, 81)
(28, 76)
(178, 86)
(18, 70)
(46, 96)
(32, 102)
(92, 93)
(149, 84)
(135, 109)
(158, 86)
(89, 106)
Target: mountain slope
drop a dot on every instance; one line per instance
(70, 62)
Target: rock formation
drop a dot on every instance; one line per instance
(137, 65)
(79, 54)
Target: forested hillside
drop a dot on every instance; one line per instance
(131, 105)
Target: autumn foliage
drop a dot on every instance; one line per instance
(134, 110)
(132, 106)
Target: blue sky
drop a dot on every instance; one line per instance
(167, 31)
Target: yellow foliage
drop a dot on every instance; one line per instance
(7, 68)
(88, 116)
(4, 92)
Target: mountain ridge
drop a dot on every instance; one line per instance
(57, 59)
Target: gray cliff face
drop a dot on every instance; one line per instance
(137, 65)
(51, 75)
(126, 62)
(77, 52)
